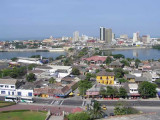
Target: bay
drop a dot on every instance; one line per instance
(9, 55)
(142, 54)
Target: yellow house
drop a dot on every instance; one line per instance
(106, 78)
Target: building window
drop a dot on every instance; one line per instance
(3, 92)
(12, 86)
(12, 93)
(30, 94)
(6, 86)
(19, 93)
(8, 93)
(1, 85)
(101, 78)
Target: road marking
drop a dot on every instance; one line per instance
(52, 102)
(83, 103)
(62, 102)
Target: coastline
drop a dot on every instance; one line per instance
(32, 50)
(126, 48)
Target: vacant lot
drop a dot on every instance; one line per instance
(23, 115)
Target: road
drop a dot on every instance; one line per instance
(81, 103)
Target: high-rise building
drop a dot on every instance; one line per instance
(106, 35)
(102, 33)
(136, 37)
(146, 39)
(75, 36)
(113, 36)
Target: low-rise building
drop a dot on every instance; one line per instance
(116, 64)
(98, 60)
(129, 77)
(106, 78)
(8, 86)
(29, 60)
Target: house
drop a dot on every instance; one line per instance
(93, 92)
(137, 73)
(43, 68)
(25, 90)
(69, 80)
(129, 77)
(44, 92)
(106, 78)
(140, 79)
(116, 64)
(8, 86)
(151, 76)
(64, 92)
(98, 60)
(133, 91)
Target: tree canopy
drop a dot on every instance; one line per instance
(75, 71)
(30, 77)
(122, 92)
(84, 85)
(79, 116)
(108, 60)
(147, 89)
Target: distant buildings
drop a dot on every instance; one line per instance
(106, 35)
(146, 39)
(124, 36)
(76, 36)
(135, 37)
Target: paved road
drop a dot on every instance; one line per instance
(84, 102)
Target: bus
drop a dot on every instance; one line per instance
(11, 98)
(26, 99)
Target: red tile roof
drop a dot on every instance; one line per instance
(96, 58)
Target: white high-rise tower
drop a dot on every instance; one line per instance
(75, 36)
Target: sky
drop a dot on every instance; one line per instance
(37, 19)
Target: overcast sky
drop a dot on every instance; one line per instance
(34, 19)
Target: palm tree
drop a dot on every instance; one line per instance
(96, 111)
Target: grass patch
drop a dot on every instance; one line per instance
(23, 115)
(5, 104)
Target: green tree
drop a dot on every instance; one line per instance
(147, 89)
(14, 58)
(119, 72)
(75, 71)
(96, 112)
(125, 62)
(117, 56)
(97, 70)
(137, 61)
(90, 75)
(70, 49)
(110, 91)
(52, 80)
(108, 70)
(79, 116)
(84, 85)
(68, 61)
(122, 109)
(122, 80)
(31, 66)
(108, 60)
(103, 92)
(122, 92)
(30, 77)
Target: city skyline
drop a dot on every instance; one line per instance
(38, 19)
